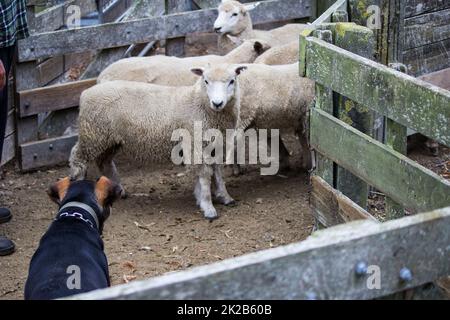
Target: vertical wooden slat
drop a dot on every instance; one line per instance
(396, 136)
(324, 101)
(359, 40)
(175, 47)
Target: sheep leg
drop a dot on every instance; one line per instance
(284, 155)
(221, 194)
(202, 192)
(78, 165)
(108, 168)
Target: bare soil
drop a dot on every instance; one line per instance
(159, 228)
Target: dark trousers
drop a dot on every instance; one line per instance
(6, 55)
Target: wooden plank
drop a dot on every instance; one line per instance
(52, 98)
(9, 149)
(439, 78)
(400, 178)
(52, 18)
(406, 100)
(327, 8)
(10, 127)
(146, 30)
(332, 207)
(427, 59)
(321, 267)
(50, 70)
(325, 168)
(426, 29)
(47, 152)
(417, 7)
(396, 138)
(361, 41)
(115, 10)
(175, 47)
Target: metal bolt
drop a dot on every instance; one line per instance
(27, 105)
(50, 146)
(361, 268)
(405, 275)
(35, 156)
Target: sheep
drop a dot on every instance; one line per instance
(285, 54)
(272, 97)
(234, 19)
(276, 97)
(175, 71)
(139, 119)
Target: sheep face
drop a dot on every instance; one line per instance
(233, 17)
(220, 84)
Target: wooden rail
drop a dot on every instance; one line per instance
(321, 267)
(402, 179)
(145, 30)
(409, 101)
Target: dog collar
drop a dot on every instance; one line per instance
(83, 206)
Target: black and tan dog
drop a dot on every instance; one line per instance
(70, 258)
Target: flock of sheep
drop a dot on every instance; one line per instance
(139, 102)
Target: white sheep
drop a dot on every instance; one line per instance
(272, 97)
(285, 54)
(139, 119)
(234, 19)
(175, 71)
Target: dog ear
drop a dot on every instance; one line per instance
(107, 192)
(58, 190)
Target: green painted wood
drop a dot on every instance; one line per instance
(400, 178)
(409, 101)
(359, 40)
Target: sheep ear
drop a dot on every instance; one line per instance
(240, 69)
(250, 7)
(258, 46)
(198, 71)
(235, 40)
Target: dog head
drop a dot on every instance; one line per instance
(99, 195)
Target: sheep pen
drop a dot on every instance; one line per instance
(159, 229)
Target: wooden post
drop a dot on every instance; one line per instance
(324, 101)
(175, 47)
(396, 136)
(361, 41)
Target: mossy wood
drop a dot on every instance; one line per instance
(405, 181)
(361, 41)
(411, 102)
(321, 267)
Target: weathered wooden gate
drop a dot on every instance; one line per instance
(334, 263)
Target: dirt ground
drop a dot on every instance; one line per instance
(158, 228)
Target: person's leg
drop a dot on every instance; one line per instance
(6, 56)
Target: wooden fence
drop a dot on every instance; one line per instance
(333, 263)
(45, 55)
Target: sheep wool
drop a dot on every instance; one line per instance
(285, 54)
(173, 71)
